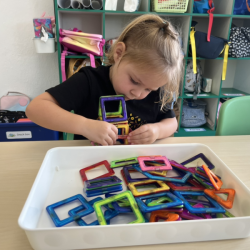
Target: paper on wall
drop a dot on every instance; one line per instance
(111, 5)
(131, 5)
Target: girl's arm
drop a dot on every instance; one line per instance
(166, 127)
(149, 133)
(45, 111)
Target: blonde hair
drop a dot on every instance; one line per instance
(152, 42)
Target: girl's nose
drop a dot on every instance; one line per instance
(136, 93)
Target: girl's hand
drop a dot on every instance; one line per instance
(145, 134)
(100, 132)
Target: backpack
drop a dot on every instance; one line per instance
(239, 45)
(200, 47)
(193, 81)
(242, 7)
(193, 113)
(205, 6)
(75, 41)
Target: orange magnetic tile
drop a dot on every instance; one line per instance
(230, 198)
(165, 215)
(217, 183)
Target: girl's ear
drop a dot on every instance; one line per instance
(119, 51)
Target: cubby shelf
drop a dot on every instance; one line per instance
(201, 95)
(201, 131)
(231, 92)
(111, 23)
(78, 56)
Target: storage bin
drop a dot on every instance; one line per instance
(45, 47)
(26, 131)
(175, 6)
(59, 178)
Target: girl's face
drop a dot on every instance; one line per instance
(133, 83)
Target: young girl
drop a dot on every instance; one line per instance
(145, 65)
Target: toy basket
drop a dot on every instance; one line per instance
(176, 6)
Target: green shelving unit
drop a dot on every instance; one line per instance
(111, 23)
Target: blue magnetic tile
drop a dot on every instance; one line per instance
(104, 191)
(59, 223)
(146, 209)
(118, 208)
(161, 178)
(81, 222)
(216, 209)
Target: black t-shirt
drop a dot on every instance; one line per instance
(81, 93)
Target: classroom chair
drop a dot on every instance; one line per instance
(234, 117)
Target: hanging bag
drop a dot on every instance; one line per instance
(239, 42)
(14, 101)
(209, 50)
(79, 42)
(193, 81)
(242, 7)
(205, 6)
(193, 113)
(75, 64)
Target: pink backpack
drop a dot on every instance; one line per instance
(77, 41)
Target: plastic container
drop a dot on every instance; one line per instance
(42, 47)
(59, 178)
(175, 6)
(26, 131)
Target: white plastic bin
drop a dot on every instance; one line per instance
(59, 178)
(42, 47)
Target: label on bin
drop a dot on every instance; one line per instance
(233, 94)
(194, 129)
(18, 134)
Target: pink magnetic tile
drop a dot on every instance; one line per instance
(142, 160)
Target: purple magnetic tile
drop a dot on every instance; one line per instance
(206, 216)
(203, 177)
(203, 157)
(180, 166)
(206, 180)
(205, 203)
(102, 182)
(174, 210)
(192, 169)
(128, 176)
(113, 98)
(186, 215)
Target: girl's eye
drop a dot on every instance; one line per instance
(148, 90)
(134, 82)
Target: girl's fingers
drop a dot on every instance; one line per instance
(115, 129)
(146, 134)
(141, 141)
(104, 143)
(109, 141)
(113, 137)
(140, 130)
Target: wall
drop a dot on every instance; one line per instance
(21, 68)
